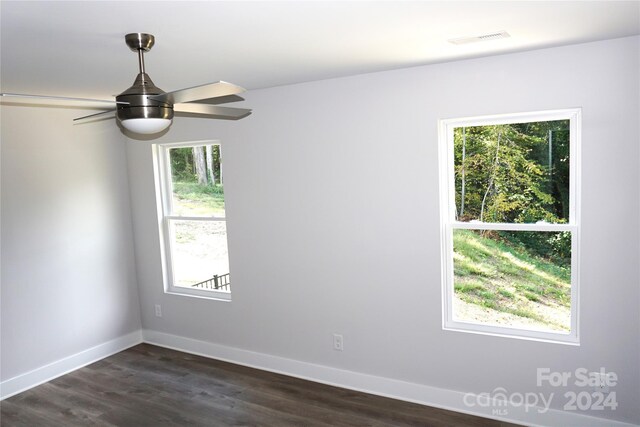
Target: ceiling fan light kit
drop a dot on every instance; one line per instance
(146, 109)
(146, 126)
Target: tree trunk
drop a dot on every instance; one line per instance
(199, 163)
(492, 177)
(211, 172)
(217, 153)
(464, 156)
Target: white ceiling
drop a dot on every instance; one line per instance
(77, 48)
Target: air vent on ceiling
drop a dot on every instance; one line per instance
(481, 38)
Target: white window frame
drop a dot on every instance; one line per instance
(164, 190)
(448, 221)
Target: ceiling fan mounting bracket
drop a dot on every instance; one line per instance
(140, 41)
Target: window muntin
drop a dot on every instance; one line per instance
(193, 223)
(488, 265)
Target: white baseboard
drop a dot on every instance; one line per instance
(411, 392)
(60, 367)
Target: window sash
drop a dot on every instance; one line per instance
(449, 323)
(447, 152)
(167, 179)
(171, 287)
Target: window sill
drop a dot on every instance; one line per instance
(195, 293)
(506, 332)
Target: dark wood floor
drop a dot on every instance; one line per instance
(152, 386)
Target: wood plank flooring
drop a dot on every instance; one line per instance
(153, 386)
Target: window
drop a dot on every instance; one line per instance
(193, 228)
(510, 224)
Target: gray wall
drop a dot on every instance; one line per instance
(333, 221)
(68, 270)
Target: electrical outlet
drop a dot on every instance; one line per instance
(158, 310)
(338, 342)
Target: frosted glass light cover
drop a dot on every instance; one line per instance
(146, 126)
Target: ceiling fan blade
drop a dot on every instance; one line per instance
(61, 98)
(220, 100)
(94, 115)
(206, 91)
(212, 110)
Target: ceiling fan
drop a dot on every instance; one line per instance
(146, 109)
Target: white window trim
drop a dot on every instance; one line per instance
(164, 192)
(448, 222)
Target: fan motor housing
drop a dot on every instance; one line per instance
(138, 110)
(139, 105)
